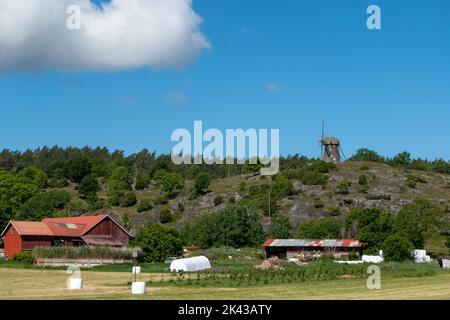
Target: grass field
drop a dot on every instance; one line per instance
(17, 283)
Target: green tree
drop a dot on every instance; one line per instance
(327, 228)
(76, 169)
(33, 175)
(236, 226)
(201, 183)
(120, 182)
(89, 187)
(420, 217)
(172, 183)
(44, 205)
(280, 227)
(13, 194)
(158, 242)
(402, 159)
(366, 155)
(397, 248)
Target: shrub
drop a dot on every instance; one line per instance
(313, 178)
(343, 187)
(161, 199)
(128, 199)
(165, 216)
(158, 242)
(411, 183)
(144, 205)
(318, 203)
(322, 166)
(397, 248)
(334, 211)
(363, 180)
(379, 197)
(23, 257)
(142, 182)
(218, 200)
(201, 183)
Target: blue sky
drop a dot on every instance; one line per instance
(286, 64)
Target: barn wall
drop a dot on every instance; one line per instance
(12, 242)
(31, 242)
(109, 228)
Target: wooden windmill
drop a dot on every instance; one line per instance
(330, 147)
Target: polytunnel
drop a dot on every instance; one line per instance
(190, 264)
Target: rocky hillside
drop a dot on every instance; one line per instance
(384, 187)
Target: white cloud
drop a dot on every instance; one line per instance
(125, 34)
(273, 87)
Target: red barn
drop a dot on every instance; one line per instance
(97, 230)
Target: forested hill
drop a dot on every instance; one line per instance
(145, 187)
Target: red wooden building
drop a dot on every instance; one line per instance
(97, 230)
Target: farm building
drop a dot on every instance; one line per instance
(96, 230)
(291, 248)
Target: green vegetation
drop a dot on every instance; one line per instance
(158, 242)
(397, 248)
(119, 186)
(43, 205)
(84, 252)
(327, 228)
(343, 187)
(23, 257)
(236, 226)
(172, 184)
(165, 216)
(144, 205)
(201, 183)
(280, 228)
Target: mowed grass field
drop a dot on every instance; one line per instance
(51, 284)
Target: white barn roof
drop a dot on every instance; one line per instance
(190, 264)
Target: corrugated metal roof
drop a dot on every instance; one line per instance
(333, 243)
(66, 230)
(87, 221)
(32, 228)
(102, 240)
(60, 227)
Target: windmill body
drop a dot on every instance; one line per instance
(331, 150)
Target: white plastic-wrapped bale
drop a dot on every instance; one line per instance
(445, 264)
(372, 259)
(190, 264)
(420, 256)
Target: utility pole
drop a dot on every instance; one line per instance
(269, 208)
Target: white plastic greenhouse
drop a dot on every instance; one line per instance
(190, 264)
